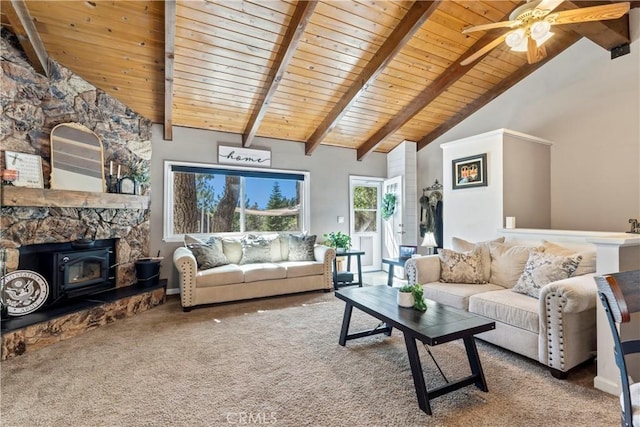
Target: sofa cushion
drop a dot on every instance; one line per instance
(542, 269)
(223, 275)
(232, 249)
(507, 307)
(255, 249)
(460, 267)
(303, 268)
(301, 247)
(587, 263)
(507, 263)
(208, 254)
(461, 245)
(263, 271)
(454, 294)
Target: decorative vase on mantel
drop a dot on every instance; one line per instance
(405, 299)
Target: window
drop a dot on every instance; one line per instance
(365, 203)
(217, 199)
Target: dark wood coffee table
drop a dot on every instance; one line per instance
(438, 325)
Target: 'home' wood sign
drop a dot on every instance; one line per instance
(244, 156)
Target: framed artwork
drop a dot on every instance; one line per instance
(406, 251)
(470, 171)
(27, 167)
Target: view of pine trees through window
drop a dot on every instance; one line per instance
(365, 212)
(211, 203)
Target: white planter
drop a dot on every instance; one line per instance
(405, 299)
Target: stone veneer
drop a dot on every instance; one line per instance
(40, 335)
(32, 105)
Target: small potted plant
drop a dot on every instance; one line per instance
(139, 172)
(412, 296)
(341, 242)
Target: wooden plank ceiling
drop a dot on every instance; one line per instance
(364, 74)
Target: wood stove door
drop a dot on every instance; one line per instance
(83, 271)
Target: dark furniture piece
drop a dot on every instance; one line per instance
(438, 325)
(620, 296)
(392, 262)
(346, 277)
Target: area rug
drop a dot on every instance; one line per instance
(277, 361)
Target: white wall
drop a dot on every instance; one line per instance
(589, 106)
(330, 168)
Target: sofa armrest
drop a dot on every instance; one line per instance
(423, 269)
(326, 255)
(185, 263)
(567, 322)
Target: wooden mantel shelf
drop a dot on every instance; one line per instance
(39, 197)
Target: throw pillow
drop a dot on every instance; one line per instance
(301, 247)
(255, 249)
(507, 263)
(588, 263)
(460, 267)
(208, 254)
(542, 269)
(462, 245)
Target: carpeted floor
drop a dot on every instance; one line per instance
(277, 361)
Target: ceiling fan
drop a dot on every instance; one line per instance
(531, 24)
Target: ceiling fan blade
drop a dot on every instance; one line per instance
(486, 48)
(535, 53)
(501, 24)
(593, 13)
(548, 5)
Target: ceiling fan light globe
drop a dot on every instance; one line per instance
(515, 38)
(540, 30)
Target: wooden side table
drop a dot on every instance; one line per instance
(342, 276)
(393, 262)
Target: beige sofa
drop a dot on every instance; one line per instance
(558, 328)
(243, 277)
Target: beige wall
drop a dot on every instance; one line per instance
(329, 167)
(589, 107)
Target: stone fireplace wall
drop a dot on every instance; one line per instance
(32, 105)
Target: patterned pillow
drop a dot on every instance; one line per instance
(542, 269)
(208, 254)
(587, 264)
(461, 245)
(255, 249)
(461, 267)
(301, 247)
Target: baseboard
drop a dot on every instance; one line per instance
(173, 291)
(606, 385)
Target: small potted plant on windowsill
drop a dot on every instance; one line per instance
(341, 242)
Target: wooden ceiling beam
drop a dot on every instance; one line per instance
(606, 34)
(297, 25)
(169, 55)
(411, 22)
(429, 94)
(489, 96)
(24, 28)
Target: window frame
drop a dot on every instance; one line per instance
(167, 219)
